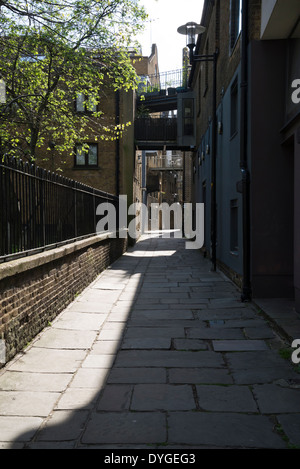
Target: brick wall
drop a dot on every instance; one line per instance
(145, 65)
(34, 290)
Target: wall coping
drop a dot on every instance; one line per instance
(23, 264)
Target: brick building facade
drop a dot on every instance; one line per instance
(110, 164)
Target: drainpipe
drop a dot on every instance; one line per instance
(246, 287)
(144, 190)
(117, 120)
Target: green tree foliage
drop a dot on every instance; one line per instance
(52, 52)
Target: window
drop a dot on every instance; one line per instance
(234, 238)
(84, 104)
(206, 67)
(188, 116)
(234, 108)
(235, 22)
(199, 91)
(86, 156)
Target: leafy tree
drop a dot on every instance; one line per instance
(52, 52)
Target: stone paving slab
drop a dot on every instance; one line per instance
(63, 425)
(256, 332)
(262, 374)
(226, 398)
(137, 332)
(256, 359)
(57, 338)
(101, 296)
(80, 321)
(164, 314)
(200, 376)
(223, 429)
(238, 345)
(98, 361)
(88, 378)
(111, 284)
(90, 307)
(273, 399)
(52, 382)
(147, 343)
(171, 359)
(226, 314)
(190, 344)
(126, 427)
(115, 397)
(291, 427)
(27, 403)
(214, 333)
(40, 360)
(237, 322)
(105, 347)
(74, 398)
(138, 375)
(14, 428)
(164, 397)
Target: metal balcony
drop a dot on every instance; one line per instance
(158, 93)
(171, 81)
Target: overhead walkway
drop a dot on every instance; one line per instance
(159, 104)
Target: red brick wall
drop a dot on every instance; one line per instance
(29, 300)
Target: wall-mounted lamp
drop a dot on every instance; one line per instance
(190, 30)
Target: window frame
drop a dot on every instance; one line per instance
(235, 24)
(188, 121)
(83, 104)
(86, 155)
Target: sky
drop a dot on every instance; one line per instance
(165, 17)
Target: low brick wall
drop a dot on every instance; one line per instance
(35, 289)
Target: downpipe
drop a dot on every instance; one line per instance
(246, 286)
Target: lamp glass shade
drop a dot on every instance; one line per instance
(190, 30)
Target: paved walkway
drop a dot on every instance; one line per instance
(157, 353)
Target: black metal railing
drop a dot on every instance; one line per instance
(171, 81)
(40, 209)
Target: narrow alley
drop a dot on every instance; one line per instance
(157, 353)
